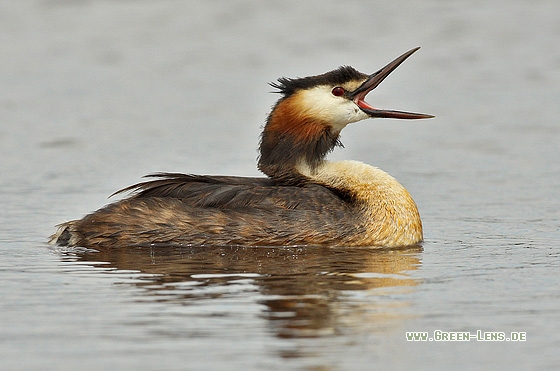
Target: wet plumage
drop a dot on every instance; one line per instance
(304, 200)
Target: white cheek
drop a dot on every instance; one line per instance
(356, 114)
(338, 111)
(344, 112)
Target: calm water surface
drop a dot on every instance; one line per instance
(95, 94)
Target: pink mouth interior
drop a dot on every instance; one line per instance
(364, 105)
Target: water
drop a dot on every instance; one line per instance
(95, 94)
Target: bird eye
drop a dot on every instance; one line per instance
(338, 91)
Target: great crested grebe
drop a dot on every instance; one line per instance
(306, 200)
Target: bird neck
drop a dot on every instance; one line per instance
(390, 215)
(291, 137)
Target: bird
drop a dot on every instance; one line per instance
(304, 200)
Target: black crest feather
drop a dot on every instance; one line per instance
(288, 86)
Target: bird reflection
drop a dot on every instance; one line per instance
(305, 291)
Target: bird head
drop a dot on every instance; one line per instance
(305, 123)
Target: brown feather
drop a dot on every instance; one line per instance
(196, 210)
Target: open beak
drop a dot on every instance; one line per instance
(358, 95)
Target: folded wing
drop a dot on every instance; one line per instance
(224, 192)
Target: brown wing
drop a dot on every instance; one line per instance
(226, 192)
(198, 210)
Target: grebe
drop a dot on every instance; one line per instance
(305, 200)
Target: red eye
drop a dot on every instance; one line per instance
(338, 91)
